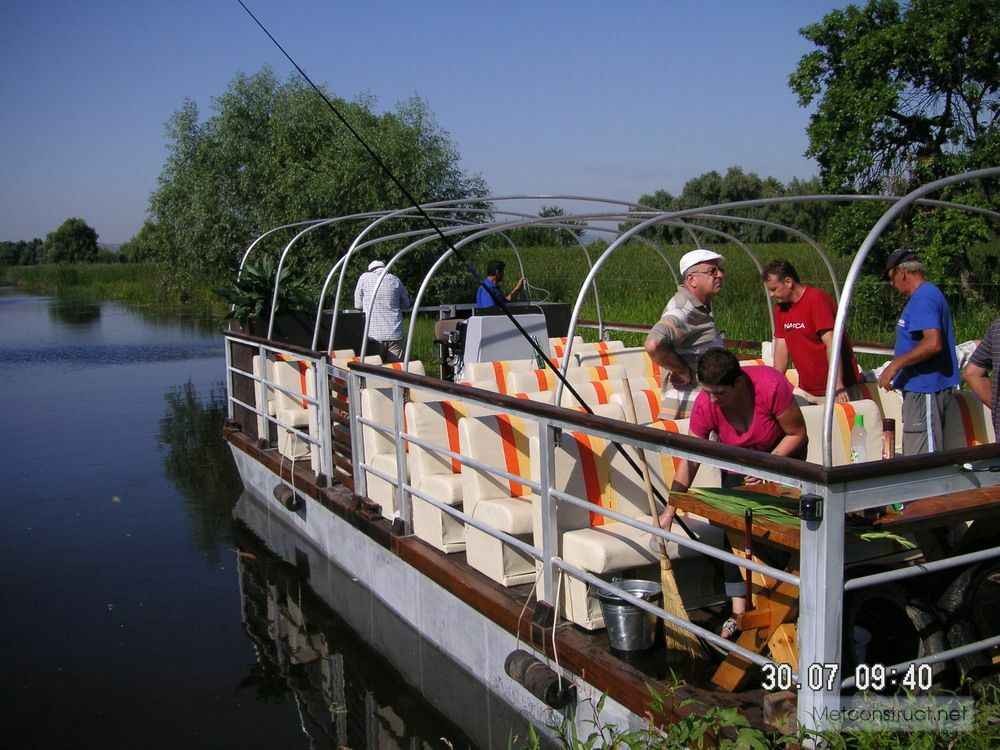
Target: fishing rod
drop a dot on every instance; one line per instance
(495, 294)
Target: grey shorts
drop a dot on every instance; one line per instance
(923, 421)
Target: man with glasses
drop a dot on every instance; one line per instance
(686, 330)
(924, 366)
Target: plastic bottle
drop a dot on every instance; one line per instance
(859, 439)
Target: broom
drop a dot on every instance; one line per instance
(677, 638)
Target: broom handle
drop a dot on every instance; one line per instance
(644, 469)
(748, 549)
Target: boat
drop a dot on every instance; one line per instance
(487, 511)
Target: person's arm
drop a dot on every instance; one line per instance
(516, 289)
(359, 296)
(661, 350)
(683, 476)
(840, 393)
(793, 425)
(979, 381)
(931, 342)
(780, 355)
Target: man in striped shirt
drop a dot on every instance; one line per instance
(384, 309)
(686, 330)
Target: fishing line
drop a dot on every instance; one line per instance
(495, 294)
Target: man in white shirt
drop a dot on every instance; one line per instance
(383, 308)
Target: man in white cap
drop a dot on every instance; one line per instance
(686, 330)
(383, 304)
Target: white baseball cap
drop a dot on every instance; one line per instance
(376, 264)
(695, 257)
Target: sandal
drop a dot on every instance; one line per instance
(730, 628)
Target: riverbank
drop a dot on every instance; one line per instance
(130, 283)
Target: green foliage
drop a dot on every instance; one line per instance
(904, 94)
(273, 154)
(541, 236)
(697, 725)
(20, 253)
(712, 188)
(73, 242)
(252, 293)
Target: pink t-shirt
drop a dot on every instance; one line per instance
(772, 396)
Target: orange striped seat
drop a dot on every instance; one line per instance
(499, 441)
(967, 422)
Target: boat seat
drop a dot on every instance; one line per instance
(496, 372)
(662, 470)
(499, 441)
(593, 469)
(843, 420)
(379, 448)
(967, 422)
(557, 345)
(434, 474)
(634, 359)
(414, 366)
(546, 380)
(297, 376)
(601, 352)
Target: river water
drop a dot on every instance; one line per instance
(136, 611)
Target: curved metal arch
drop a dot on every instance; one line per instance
(483, 232)
(855, 271)
(431, 233)
(281, 260)
(574, 318)
(269, 232)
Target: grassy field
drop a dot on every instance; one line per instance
(633, 285)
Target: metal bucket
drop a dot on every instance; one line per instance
(629, 627)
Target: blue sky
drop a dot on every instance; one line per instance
(611, 99)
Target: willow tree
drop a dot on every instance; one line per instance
(273, 153)
(906, 94)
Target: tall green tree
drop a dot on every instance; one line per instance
(906, 94)
(271, 154)
(737, 185)
(73, 242)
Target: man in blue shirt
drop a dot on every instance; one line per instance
(924, 366)
(494, 275)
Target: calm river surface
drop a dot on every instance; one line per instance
(136, 611)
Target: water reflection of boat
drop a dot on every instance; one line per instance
(346, 692)
(457, 507)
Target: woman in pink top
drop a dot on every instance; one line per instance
(750, 407)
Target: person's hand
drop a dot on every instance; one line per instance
(679, 379)
(520, 283)
(887, 376)
(748, 480)
(842, 396)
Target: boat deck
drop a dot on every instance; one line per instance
(627, 678)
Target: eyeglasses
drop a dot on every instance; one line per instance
(714, 272)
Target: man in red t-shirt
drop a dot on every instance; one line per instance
(803, 332)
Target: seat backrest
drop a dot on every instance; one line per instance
(496, 371)
(499, 441)
(593, 392)
(843, 421)
(967, 422)
(376, 405)
(662, 471)
(645, 402)
(546, 380)
(558, 344)
(634, 359)
(292, 374)
(593, 469)
(436, 422)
